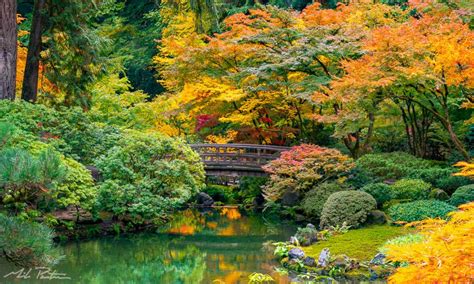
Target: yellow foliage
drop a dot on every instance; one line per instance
(467, 169)
(447, 255)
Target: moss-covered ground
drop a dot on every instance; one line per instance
(360, 243)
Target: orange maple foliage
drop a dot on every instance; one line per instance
(44, 84)
(447, 254)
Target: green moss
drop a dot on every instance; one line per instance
(361, 243)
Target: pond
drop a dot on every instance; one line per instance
(218, 246)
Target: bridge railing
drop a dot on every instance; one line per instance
(237, 156)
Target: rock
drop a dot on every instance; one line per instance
(299, 218)
(258, 201)
(324, 257)
(376, 217)
(311, 226)
(290, 199)
(439, 194)
(307, 236)
(378, 259)
(294, 241)
(309, 261)
(204, 199)
(95, 173)
(296, 253)
(341, 261)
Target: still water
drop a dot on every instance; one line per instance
(219, 246)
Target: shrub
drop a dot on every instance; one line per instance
(398, 165)
(462, 195)
(410, 189)
(26, 244)
(314, 199)
(419, 210)
(446, 254)
(148, 174)
(302, 168)
(77, 188)
(439, 177)
(220, 193)
(24, 176)
(70, 130)
(350, 206)
(387, 166)
(250, 188)
(380, 191)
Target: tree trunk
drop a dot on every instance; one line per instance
(8, 49)
(30, 81)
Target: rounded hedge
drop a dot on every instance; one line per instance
(420, 210)
(350, 206)
(462, 195)
(380, 191)
(411, 189)
(314, 199)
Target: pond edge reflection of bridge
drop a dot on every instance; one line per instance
(236, 160)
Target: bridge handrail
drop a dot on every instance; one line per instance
(241, 146)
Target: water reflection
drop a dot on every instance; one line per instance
(220, 246)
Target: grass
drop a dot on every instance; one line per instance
(361, 243)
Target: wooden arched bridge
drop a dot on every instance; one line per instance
(236, 160)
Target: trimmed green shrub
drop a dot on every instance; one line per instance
(26, 244)
(411, 189)
(420, 210)
(314, 199)
(380, 191)
(349, 206)
(147, 174)
(462, 195)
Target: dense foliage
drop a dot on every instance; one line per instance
(314, 199)
(445, 255)
(410, 189)
(419, 210)
(380, 191)
(147, 175)
(351, 207)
